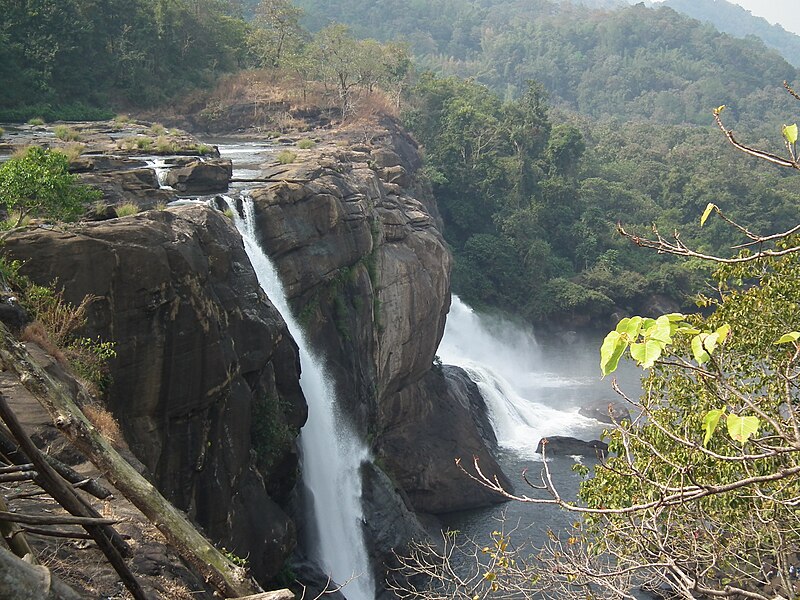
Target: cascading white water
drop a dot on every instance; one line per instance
(160, 166)
(502, 359)
(331, 453)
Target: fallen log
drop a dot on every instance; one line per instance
(106, 538)
(16, 455)
(229, 579)
(22, 581)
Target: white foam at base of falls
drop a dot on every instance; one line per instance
(502, 359)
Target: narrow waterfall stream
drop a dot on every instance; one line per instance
(331, 453)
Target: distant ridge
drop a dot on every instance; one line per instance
(733, 19)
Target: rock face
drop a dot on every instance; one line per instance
(206, 375)
(431, 428)
(201, 177)
(367, 271)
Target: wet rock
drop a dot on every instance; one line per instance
(557, 445)
(201, 177)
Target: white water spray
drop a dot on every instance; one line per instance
(501, 358)
(331, 453)
(161, 167)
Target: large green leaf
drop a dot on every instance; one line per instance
(790, 133)
(710, 422)
(646, 353)
(630, 327)
(611, 351)
(662, 331)
(787, 338)
(741, 428)
(709, 207)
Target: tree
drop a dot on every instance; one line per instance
(698, 496)
(38, 183)
(277, 33)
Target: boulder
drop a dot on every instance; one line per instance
(558, 445)
(138, 185)
(431, 428)
(201, 176)
(206, 377)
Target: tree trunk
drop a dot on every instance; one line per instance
(22, 581)
(231, 580)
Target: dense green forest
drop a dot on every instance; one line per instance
(545, 125)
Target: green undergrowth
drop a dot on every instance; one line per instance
(56, 326)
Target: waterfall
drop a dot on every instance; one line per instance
(161, 166)
(331, 453)
(504, 361)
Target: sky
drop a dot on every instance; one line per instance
(784, 12)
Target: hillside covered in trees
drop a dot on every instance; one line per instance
(544, 124)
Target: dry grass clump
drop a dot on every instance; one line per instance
(37, 333)
(104, 422)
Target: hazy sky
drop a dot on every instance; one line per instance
(785, 12)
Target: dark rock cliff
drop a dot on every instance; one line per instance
(206, 376)
(355, 237)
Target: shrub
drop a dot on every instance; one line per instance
(2, 132)
(203, 149)
(165, 146)
(72, 151)
(158, 129)
(305, 144)
(127, 209)
(68, 134)
(38, 183)
(103, 421)
(36, 121)
(144, 143)
(286, 157)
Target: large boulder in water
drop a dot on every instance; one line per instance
(201, 176)
(433, 426)
(559, 445)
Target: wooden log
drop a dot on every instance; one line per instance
(59, 533)
(22, 476)
(15, 455)
(53, 519)
(62, 492)
(230, 580)
(14, 538)
(274, 595)
(22, 581)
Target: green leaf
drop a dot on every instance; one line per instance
(630, 327)
(646, 353)
(710, 422)
(662, 331)
(723, 332)
(709, 207)
(611, 351)
(741, 428)
(700, 354)
(790, 133)
(788, 338)
(672, 317)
